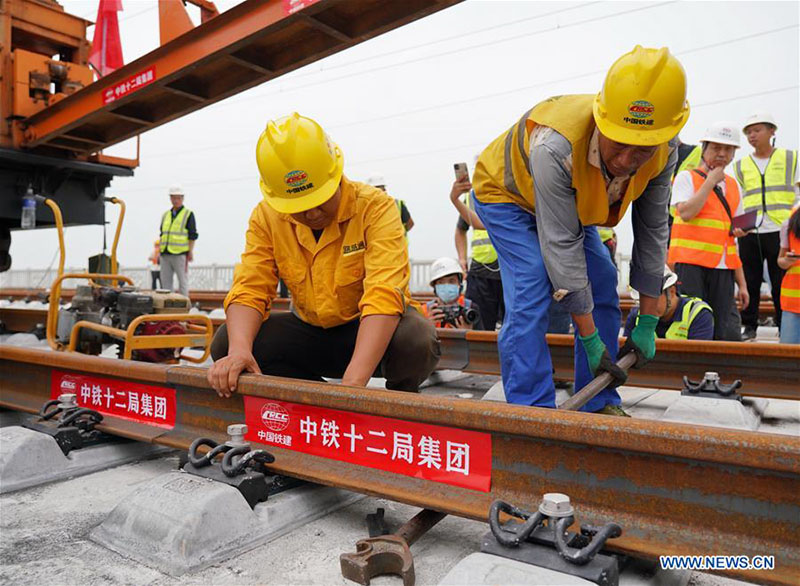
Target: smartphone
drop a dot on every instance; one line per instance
(462, 173)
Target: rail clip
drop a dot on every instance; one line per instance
(74, 428)
(711, 387)
(543, 539)
(239, 466)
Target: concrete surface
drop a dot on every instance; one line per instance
(44, 539)
(29, 458)
(484, 569)
(728, 413)
(479, 569)
(180, 523)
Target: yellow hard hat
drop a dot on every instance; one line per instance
(300, 165)
(643, 100)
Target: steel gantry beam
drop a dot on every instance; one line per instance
(675, 489)
(251, 43)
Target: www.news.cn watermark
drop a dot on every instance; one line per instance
(717, 562)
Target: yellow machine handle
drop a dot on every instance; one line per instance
(121, 205)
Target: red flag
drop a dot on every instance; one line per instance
(106, 53)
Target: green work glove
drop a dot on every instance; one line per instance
(600, 360)
(642, 340)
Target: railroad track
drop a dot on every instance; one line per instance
(210, 300)
(675, 489)
(767, 370)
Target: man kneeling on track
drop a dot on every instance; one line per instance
(339, 246)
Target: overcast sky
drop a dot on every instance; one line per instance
(412, 102)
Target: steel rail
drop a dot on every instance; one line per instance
(675, 489)
(209, 300)
(767, 370)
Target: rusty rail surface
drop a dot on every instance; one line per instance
(675, 489)
(209, 300)
(767, 370)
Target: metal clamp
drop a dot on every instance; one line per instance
(711, 387)
(238, 456)
(74, 428)
(240, 466)
(555, 515)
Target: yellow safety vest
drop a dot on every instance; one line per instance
(691, 161)
(606, 234)
(174, 234)
(679, 330)
(502, 174)
(399, 203)
(773, 191)
(482, 249)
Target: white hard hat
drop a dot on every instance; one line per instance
(176, 190)
(722, 133)
(376, 180)
(670, 279)
(762, 117)
(443, 267)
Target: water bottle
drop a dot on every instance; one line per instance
(28, 219)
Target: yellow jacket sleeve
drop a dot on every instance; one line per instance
(386, 260)
(255, 279)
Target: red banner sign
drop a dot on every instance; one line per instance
(441, 454)
(133, 83)
(125, 399)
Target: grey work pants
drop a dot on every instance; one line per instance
(174, 264)
(287, 346)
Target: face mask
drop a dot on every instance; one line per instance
(447, 292)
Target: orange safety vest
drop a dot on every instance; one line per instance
(790, 286)
(701, 240)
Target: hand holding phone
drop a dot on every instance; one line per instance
(462, 174)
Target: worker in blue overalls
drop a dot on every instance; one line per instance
(569, 164)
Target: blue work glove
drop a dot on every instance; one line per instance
(600, 360)
(642, 340)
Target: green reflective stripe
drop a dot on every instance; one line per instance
(790, 292)
(696, 245)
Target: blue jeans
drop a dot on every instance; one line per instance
(524, 356)
(790, 327)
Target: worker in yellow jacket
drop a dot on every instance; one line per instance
(340, 247)
(570, 164)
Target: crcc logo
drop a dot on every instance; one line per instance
(275, 417)
(68, 385)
